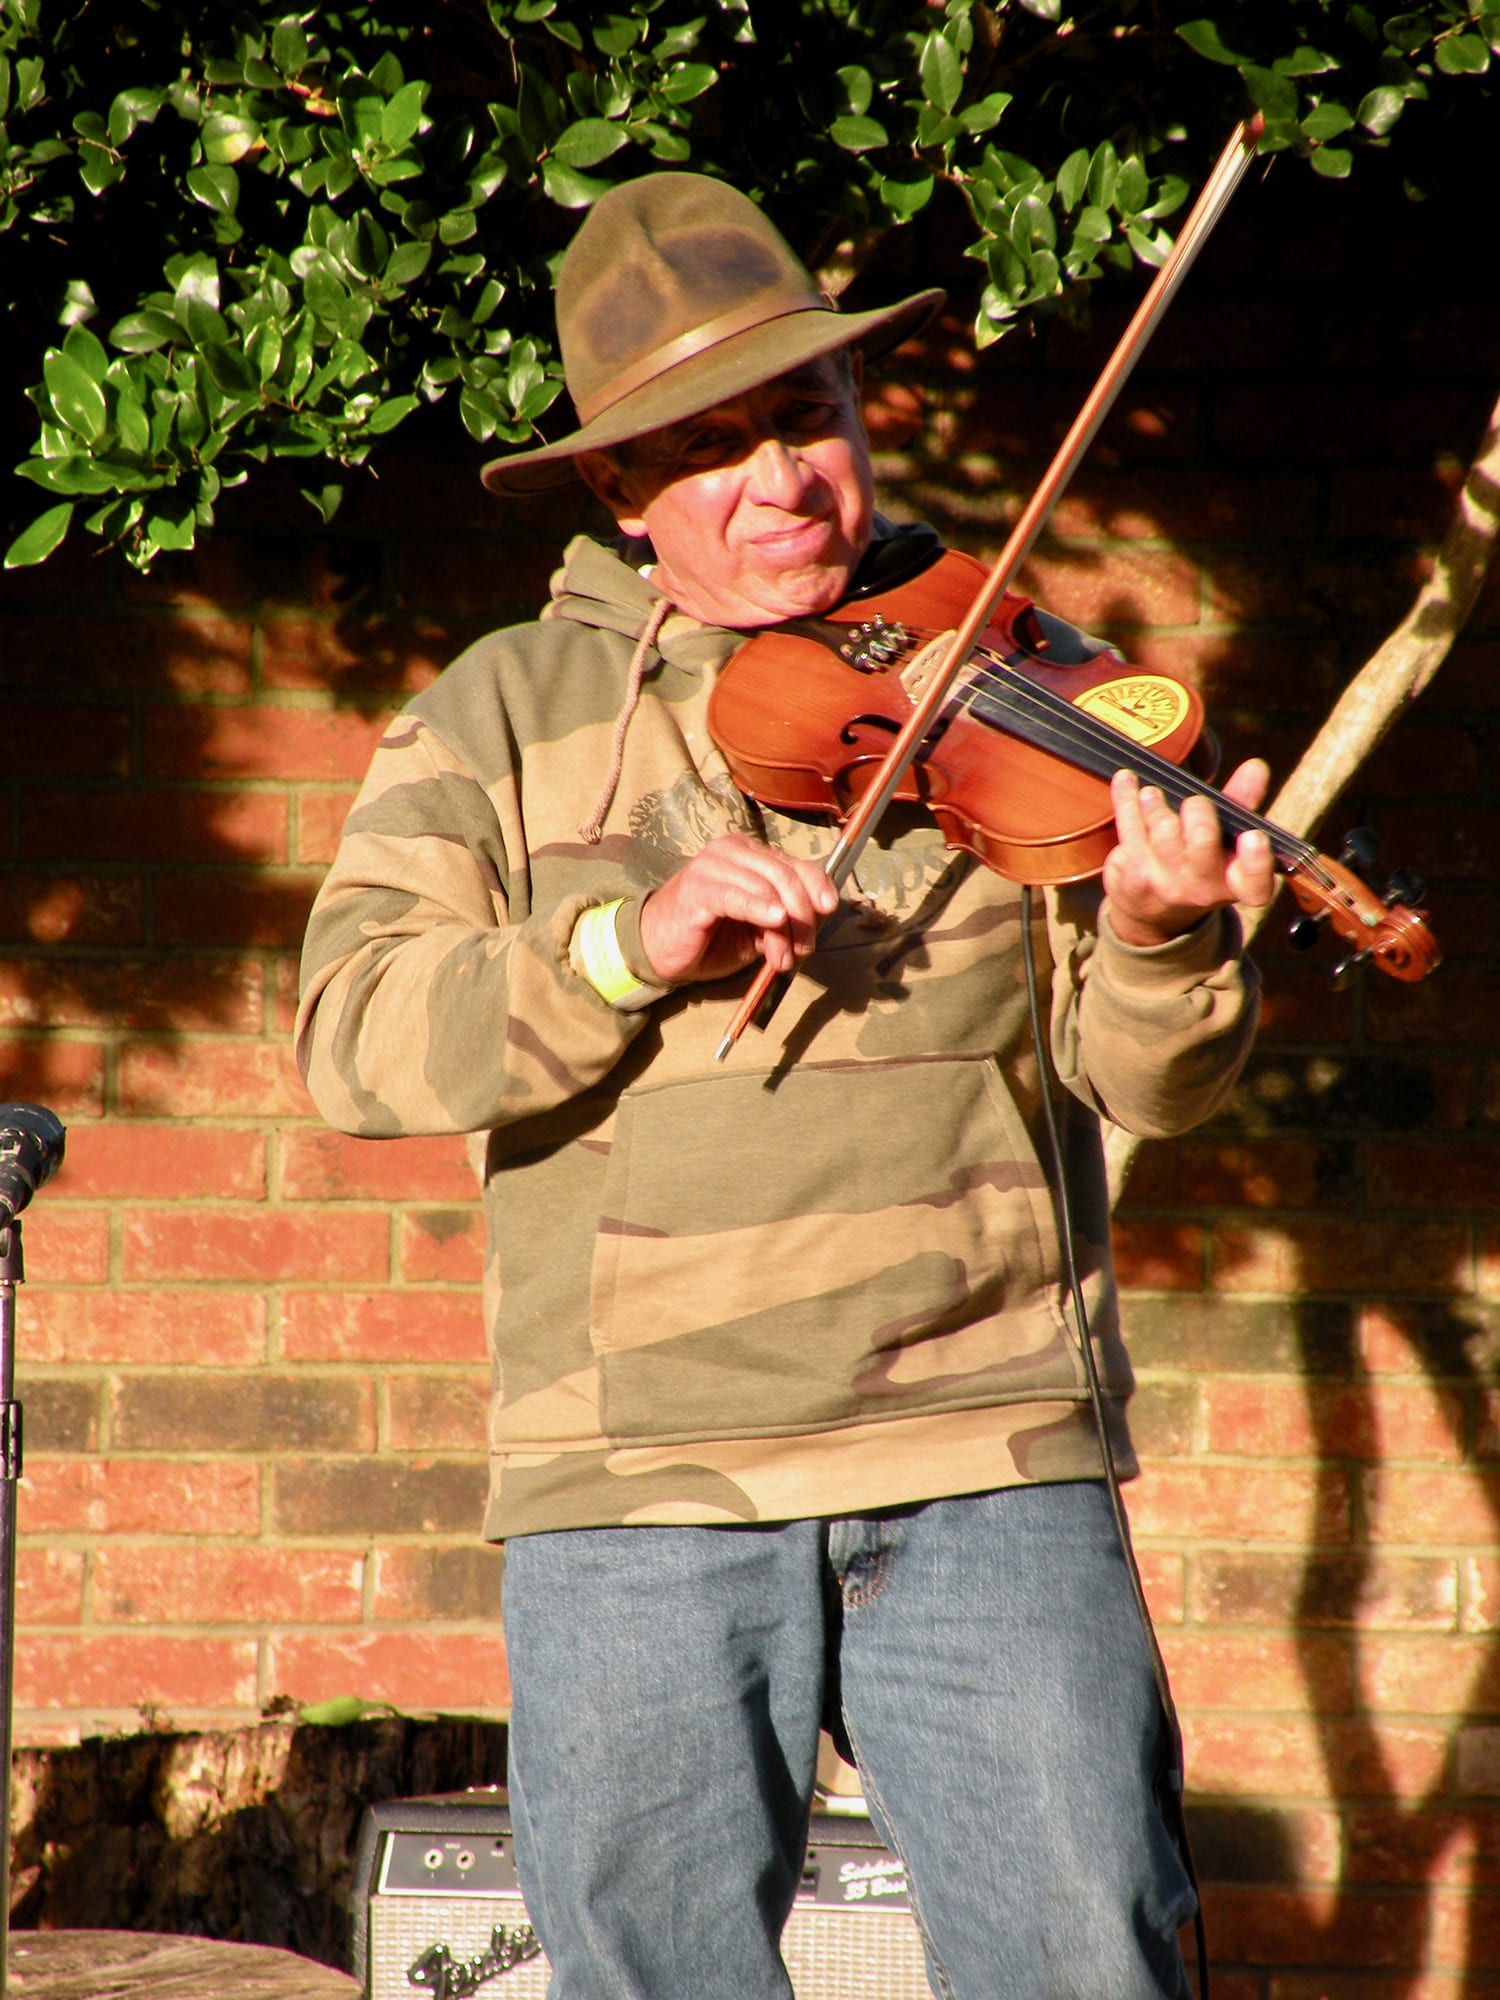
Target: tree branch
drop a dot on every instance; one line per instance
(1382, 690)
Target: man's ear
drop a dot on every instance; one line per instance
(604, 478)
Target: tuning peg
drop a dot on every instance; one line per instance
(1359, 850)
(1304, 933)
(1346, 965)
(1404, 885)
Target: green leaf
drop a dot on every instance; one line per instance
(1072, 178)
(1332, 162)
(36, 543)
(289, 49)
(385, 416)
(1104, 176)
(131, 423)
(401, 119)
(1134, 188)
(228, 137)
(172, 531)
(143, 332)
(858, 87)
(76, 396)
(1202, 37)
(88, 351)
(569, 189)
(1326, 122)
(615, 34)
(905, 199)
(1274, 95)
(217, 188)
(1463, 55)
(985, 113)
(1408, 32)
(1304, 61)
(942, 72)
(1380, 108)
(132, 108)
(687, 81)
(588, 141)
(857, 135)
(407, 263)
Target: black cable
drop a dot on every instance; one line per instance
(1176, 1777)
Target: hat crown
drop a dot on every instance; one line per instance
(657, 261)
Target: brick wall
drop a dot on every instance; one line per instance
(250, 1350)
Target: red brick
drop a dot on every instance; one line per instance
(1465, 1930)
(1159, 1256)
(176, 995)
(212, 1079)
(1182, 505)
(1300, 1757)
(378, 1496)
(257, 742)
(1450, 1173)
(232, 907)
(228, 1586)
(1457, 1007)
(464, 1671)
(1242, 1173)
(162, 1160)
(49, 1586)
(241, 1243)
(394, 659)
(1437, 1844)
(97, 910)
(132, 1496)
(1479, 1579)
(437, 1412)
(1265, 1925)
(1248, 1671)
(208, 1329)
(1262, 1587)
(319, 820)
(258, 1412)
(66, 1246)
(187, 656)
(1209, 1502)
(413, 1585)
(114, 1668)
(1162, 1579)
(390, 1325)
(442, 1243)
(67, 1076)
(1330, 1255)
(284, 980)
(1442, 1509)
(1252, 421)
(1414, 1674)
(330, 1166)
(1141, 587)
(158, 823)
(1333, 1420)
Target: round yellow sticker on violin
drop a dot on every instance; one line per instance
(1144, 707)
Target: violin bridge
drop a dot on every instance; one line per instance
(919, 670)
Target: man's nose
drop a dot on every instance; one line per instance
(779, 476)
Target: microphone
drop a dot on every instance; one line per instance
(31, 1151)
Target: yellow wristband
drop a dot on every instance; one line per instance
(595, 955)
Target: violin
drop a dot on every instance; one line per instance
(1015, 768)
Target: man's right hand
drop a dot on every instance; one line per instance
(736, 901)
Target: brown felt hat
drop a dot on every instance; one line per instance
(675, 295)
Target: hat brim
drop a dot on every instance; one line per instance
(728, 368)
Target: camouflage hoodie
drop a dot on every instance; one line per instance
(823, 1276)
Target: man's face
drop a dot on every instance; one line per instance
(759, 509)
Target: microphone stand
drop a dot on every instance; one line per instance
(12, 1273)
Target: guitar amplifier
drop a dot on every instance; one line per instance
(437, 1909)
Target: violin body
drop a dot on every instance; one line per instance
(1016, 767)
(805, 712)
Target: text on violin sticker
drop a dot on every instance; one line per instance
(1141, 706)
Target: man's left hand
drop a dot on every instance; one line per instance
(1170, 869)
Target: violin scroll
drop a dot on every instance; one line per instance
(1389, 929)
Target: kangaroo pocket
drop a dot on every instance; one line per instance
(854, 1241)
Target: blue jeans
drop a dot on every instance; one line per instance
(985, 1656)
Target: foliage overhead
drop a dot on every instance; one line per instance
(233, 233)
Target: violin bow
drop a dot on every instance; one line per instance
(1205, 213)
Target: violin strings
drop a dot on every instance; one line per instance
(1051, 722)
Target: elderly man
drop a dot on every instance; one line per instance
(790, 1424)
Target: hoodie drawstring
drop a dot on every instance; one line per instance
(593, 827)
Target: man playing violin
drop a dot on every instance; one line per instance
(791, 1426)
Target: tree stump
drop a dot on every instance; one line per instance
(246, 1835)
(109, 1965)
